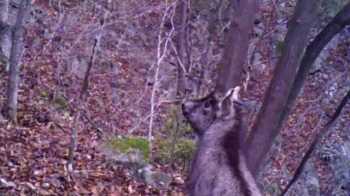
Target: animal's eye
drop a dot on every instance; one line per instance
(207, 104)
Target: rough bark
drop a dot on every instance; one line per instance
(230, 67)
(15, 57)
(339, 22)
(182, 66)
(264, 130)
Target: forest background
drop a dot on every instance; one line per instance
(76, 74)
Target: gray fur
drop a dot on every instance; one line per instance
(213, 172)
(200, 113)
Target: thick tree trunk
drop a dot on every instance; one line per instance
(230, 67)
(264, 130)
(15, 57)
(341, 20)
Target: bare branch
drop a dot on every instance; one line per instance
(160, 57)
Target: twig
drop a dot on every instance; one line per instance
(57, 28)
(277, 11)
(92, 123)
(85, 115)
(60, 127)
(138, 125)
(177, 56)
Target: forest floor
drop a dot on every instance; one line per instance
(33, 154)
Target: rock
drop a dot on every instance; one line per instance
(156, 179)
(132, 152)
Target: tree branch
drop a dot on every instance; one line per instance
(338, 23)
(264, 130)
(315, 142)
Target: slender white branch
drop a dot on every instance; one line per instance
(161, 52)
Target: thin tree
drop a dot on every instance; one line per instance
(5, 33)
(15, 58)
(263, 131)
(162, 47)
(83, 92)
(338, 23)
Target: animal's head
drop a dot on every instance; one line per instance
(201, 113)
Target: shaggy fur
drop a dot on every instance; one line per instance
(219, 166)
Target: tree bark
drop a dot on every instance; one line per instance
(4, 9)
(339, 22)
(15, 57)
(182, 67)
(5, 43)
(264, 130)
(5, 34)
(230, 67)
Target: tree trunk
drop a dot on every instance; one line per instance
(341, 20)
(77, 114)
(5, 34)
(264, 130)
(230, 67)
(4, 9)
(182, 66)
(15, 57)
